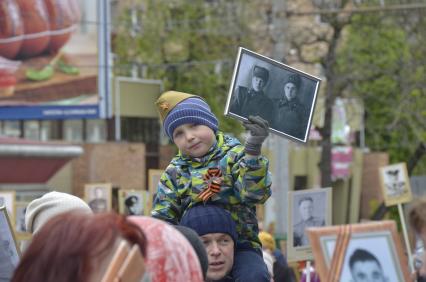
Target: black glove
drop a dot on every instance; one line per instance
(258, 131)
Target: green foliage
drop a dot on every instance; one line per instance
(190, 45)
(381, 62)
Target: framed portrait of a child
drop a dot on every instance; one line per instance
(350, 252)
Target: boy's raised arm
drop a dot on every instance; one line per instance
(253, 176)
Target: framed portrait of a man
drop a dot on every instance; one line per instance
(131, 202)
(98, 196)
(358, 251)
(9, 250)
(7, 199)
(395, 184)
(278, 93)
(307, 208)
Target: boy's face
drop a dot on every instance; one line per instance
(220, 253)
(194, 140)
(367, 271)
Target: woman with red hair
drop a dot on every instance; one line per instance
(77, 247)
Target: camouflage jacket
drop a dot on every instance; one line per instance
(244, 182)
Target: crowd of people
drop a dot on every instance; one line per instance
(203, 225)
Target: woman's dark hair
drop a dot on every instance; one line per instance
(69, 245)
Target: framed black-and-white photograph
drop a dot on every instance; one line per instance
(132, 202)
(7, 199)
(349, 252)
(280, 94)
(395, 184)
(98, 196)
(9, 250)
(306, 208)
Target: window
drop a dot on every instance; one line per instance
(146, 130)
(73, 130)
(96, 130)
(12, 128)
(31, 130)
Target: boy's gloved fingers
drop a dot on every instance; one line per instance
(259, 121)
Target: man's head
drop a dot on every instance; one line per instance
(188, 121)
(259, 78)
(267, 240)
(291, 86)
(365, 267)
(218, 232)
(306, 207)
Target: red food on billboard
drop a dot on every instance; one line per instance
(29, 28)
(7, 76)
(11, 29)
(61, 23)
(36, 27)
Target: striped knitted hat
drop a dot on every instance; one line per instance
(178, 108)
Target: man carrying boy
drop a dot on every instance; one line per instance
(214, 168)
(217, 231)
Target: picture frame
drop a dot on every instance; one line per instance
(10, 253)
(377, 241)
(98, 196)
(132, 202)
(395, 184)
(287, 108)
(20, 209)
(309, 207)
(154, 176)
(8, 199)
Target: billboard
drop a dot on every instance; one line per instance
(54, 59)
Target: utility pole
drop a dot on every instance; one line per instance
(276, 207)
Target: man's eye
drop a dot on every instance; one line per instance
(224, 241)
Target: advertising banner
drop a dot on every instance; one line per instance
(54, 59)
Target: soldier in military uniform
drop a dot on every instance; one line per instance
(253, 101)
(306, 209)
(292, 116)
